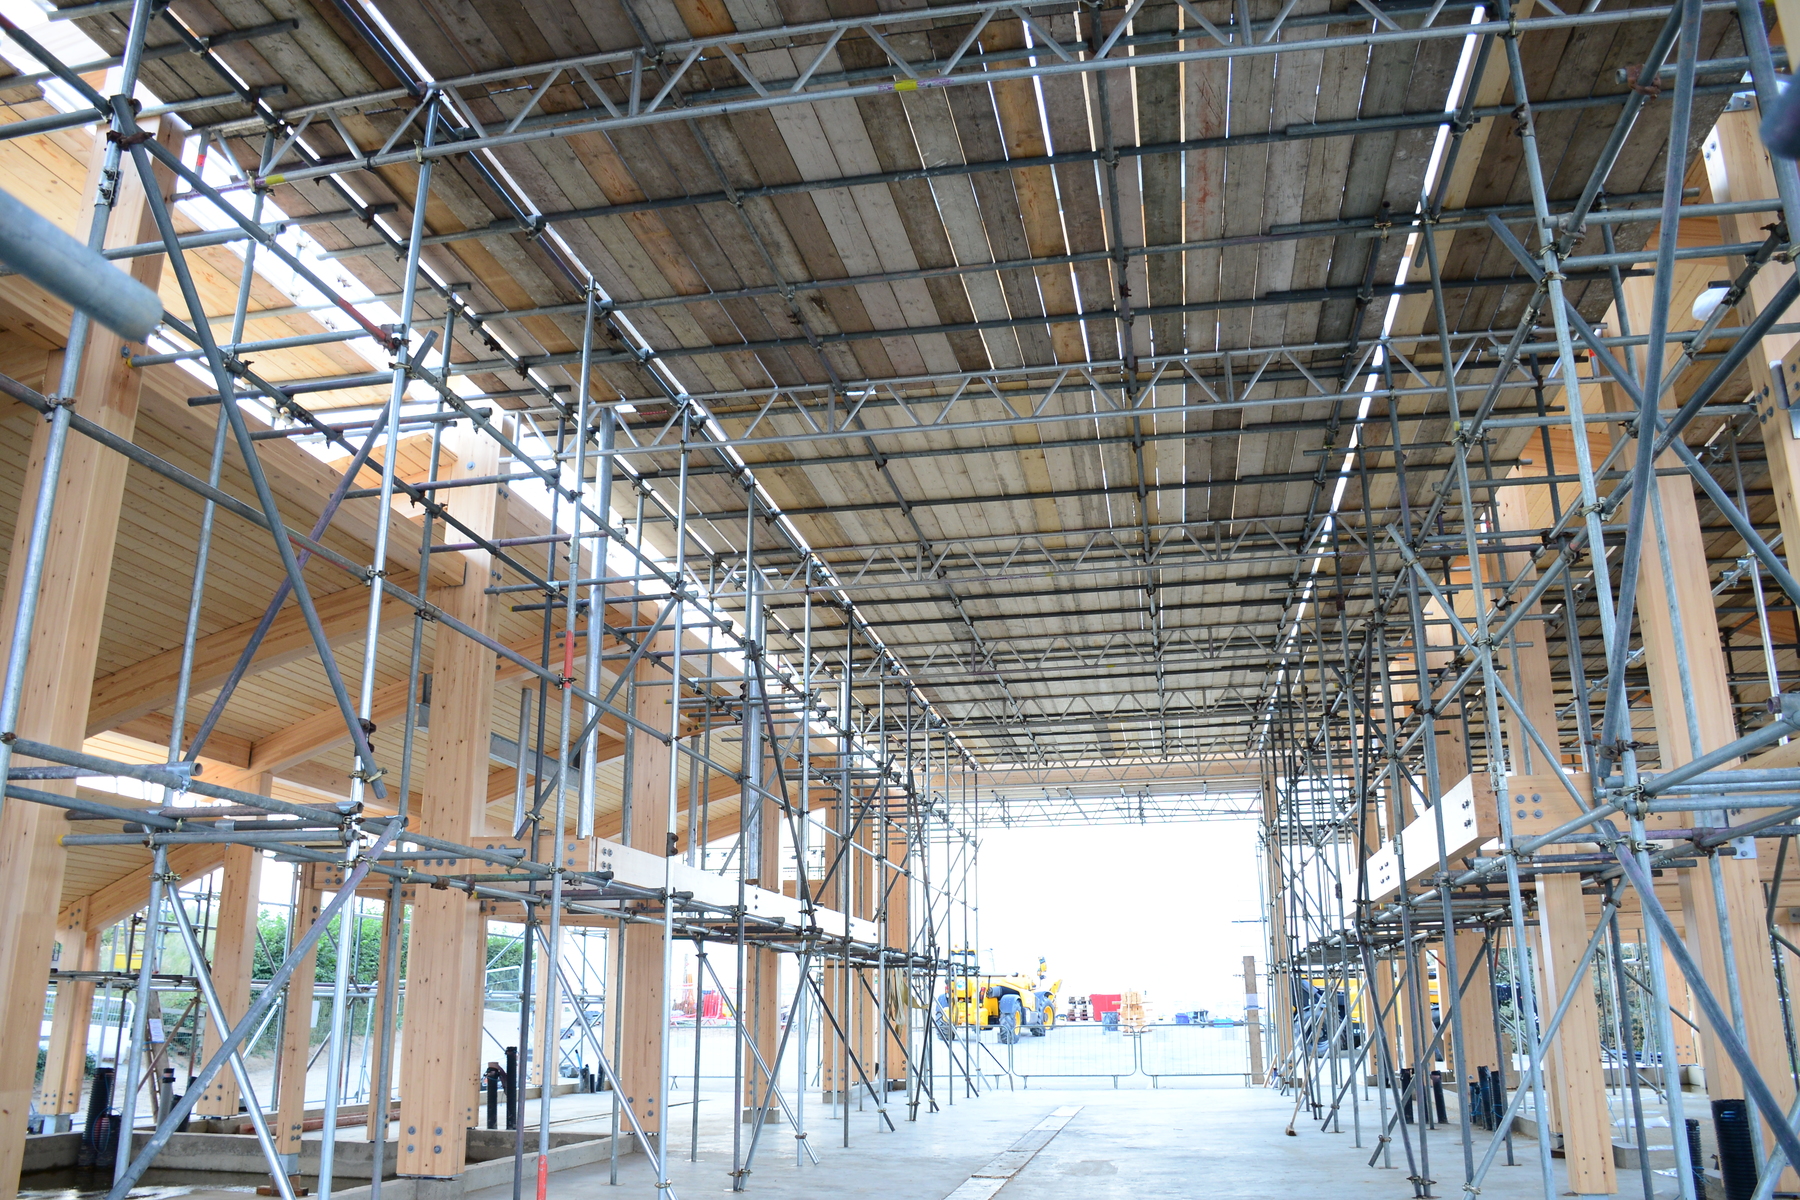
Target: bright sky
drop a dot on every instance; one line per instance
(1152, 908)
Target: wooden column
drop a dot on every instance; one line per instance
(297, 1022)
(638, 996)
(1381, 996)
(233, 961)
(1737, 168)
(545, 1006)
(383, 964)
(1253, 1021)
(1579, 1074)
(1452, 746)
(440, 1060)
(479, 1046)
(1479, 1046)
(843, 987)
(897, 915)
(1711, 695)
(762, 987)
(1576, 1079)
(78, 949)
(1681, 999)
(64, 649)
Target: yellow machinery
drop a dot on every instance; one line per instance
(1008, 1003)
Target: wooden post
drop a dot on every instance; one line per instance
(1710, 691)
(546, 1005)
(297, 1024)
(1253, 1020)
(1479, 1046)
(78, 949)
(384, 963)
(233, 961)
(1575, 1079)
(897, 917)
(1281, 984)
(762, 989)
(64, 649)
(1681, 999)
(1586, 1123)
(638, 996)
(440, 1060)
(1737, 168)
(1382, 996)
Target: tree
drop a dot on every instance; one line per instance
(273, 940)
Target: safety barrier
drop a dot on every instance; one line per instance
(1088, 1051)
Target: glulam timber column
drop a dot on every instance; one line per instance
(1280, 983)
(895, 918)
(1737, 168)
(64, 647)
(761, 830)
(65, 1063)
(1708, 684)
(1385, 1012)
(440, 1037)
(297, 1022)
(840, 1045)
(234, 959)
(640, 990)
(1578, 1077)
(1479, 1045)
(1451, 741)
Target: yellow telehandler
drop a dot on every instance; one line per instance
(1011, 1004)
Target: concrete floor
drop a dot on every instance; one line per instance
(1219, 1142)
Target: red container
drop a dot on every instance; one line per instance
(712, 1006)
(1105, 1004)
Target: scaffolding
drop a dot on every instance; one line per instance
(857, 802)
(846, 786)
(1411, 767)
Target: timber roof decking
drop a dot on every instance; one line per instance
(1065, 581)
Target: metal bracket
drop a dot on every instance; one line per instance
(1783, 401)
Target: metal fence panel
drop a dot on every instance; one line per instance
(1168, 1050)
(1068, 1051)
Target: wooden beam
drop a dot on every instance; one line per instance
(222, 749)
(148, 685)
(313, 735)
(301, 483)
(65, 646)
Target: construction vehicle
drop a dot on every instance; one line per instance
(1010, 1004)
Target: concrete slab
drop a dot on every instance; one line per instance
(1222, 1142)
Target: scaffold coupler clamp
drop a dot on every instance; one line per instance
(1634, 76)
